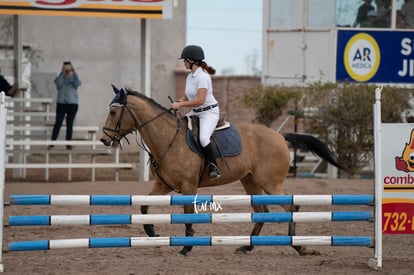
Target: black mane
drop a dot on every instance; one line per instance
(152, 101)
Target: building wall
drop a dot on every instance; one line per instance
(104, 51)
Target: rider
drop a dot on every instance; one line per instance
(199, 96)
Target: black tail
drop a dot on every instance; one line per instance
(310, 143)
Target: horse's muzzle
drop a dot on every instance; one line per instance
(106, 142)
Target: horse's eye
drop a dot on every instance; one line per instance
(112, 113)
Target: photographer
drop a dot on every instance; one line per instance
(67, 83)
(9, 90)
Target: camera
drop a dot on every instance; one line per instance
(67, 66)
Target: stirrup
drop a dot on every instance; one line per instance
(213, 171)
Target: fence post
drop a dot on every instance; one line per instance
(376, 263)
(3, 121)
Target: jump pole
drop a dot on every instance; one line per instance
(3, 121)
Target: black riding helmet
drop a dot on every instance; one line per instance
(192, 52)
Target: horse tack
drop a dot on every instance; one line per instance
(261, 167)
(193, 126)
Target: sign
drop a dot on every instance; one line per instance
(375, 56)
(398, 178)
(152, 9)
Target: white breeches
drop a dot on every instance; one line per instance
(208, 122)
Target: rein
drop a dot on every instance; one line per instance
(137, 127)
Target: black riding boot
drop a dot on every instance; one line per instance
(213, 172)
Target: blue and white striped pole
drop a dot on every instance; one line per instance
(191, 200)
(192, 241)
(268, 217)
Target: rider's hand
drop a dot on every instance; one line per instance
(175, 105)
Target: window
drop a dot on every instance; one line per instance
(318, 15)
(356, 13)
(285, 14)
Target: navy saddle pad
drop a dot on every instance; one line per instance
(228, 140)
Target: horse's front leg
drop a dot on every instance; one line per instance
(148, 228)
(157, 189)
(189, 231)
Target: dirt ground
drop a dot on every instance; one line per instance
(398, 250)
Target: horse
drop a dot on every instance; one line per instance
(261, 166)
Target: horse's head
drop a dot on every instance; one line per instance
(120, 120)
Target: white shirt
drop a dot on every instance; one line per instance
(198, 80)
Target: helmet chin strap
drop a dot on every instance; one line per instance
(192, 62)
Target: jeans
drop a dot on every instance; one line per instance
(62, 110)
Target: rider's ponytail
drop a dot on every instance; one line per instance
(207, 68)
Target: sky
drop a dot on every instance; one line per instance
(229, 31)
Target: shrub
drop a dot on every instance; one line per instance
(342, 114)
(270, 101)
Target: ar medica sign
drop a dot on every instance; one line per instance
(375, 56)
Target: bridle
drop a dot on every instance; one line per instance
(117, 130)
(119, 136)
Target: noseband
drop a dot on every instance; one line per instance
(117, 130)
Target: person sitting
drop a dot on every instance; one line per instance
(9, 90)
(199, 96)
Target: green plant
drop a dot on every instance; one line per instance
(340, 114)
(269, 101)
(344, 119)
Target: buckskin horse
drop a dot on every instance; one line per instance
(261, 165)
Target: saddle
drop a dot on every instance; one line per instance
(225, 139)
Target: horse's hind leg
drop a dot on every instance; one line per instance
(302, 250)
(292, 227)
(256, 229)
(252, 189)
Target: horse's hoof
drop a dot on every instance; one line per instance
(307, 252)
(185, 250)
(244, 249)
(182, 252)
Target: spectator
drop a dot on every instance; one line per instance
(400, 20)
(362, 15)
(67, 83)
(383, 14)
(9, 90)
(372, 19)
(407, 11)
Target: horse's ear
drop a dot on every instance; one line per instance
(122, 96)
(116, 90)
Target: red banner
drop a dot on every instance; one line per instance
(398, 218)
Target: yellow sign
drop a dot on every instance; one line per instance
(152, 9)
